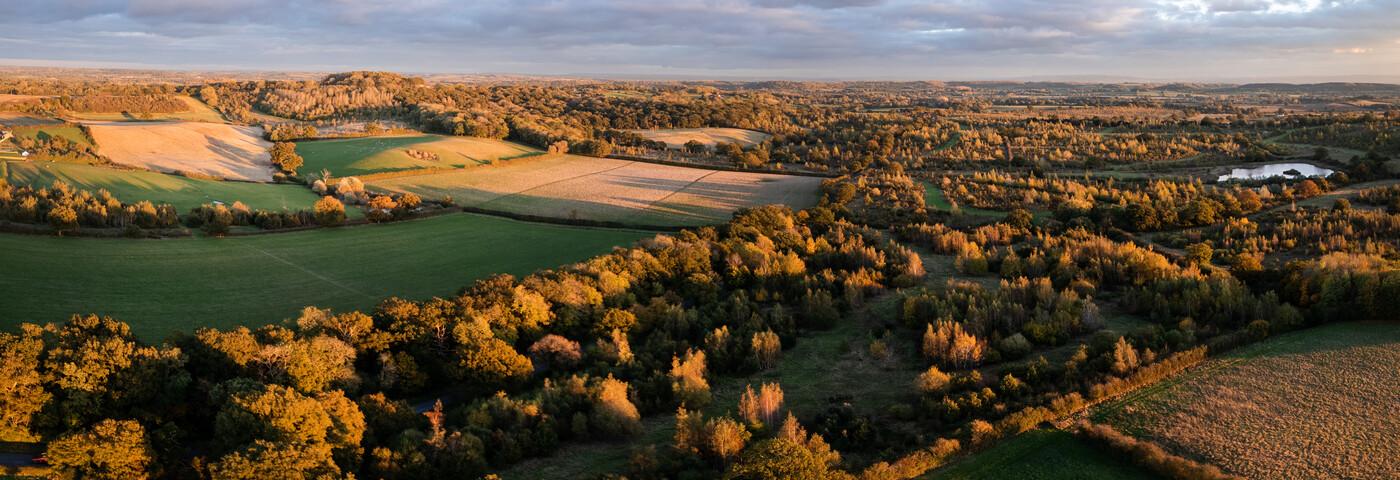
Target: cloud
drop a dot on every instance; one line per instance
(850, 38)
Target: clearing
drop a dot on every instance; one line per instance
(677, 137)
(367, 155)
(1316, 403)
(131, 186)
(604, 189)
(169, 285)
(1041, 455)
(207, 149)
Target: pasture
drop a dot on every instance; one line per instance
(55, 130)
(603, 189)
(131, 186)
(218, 150)
(1316, 403)
(1041, 455)
(677, 137)
(367, 155)
(169, 285)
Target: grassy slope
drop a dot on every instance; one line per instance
(1041, 455)
(1312, 403)
(360, 156)
(71, 133)
(678, 137)
(182, 192)
(161, 286)
(198, 112)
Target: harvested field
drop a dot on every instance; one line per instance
(362, 156)
(184, 193)
(163, 286)
(224, 151)
(677, 137)
(1317, 403)
(602, 189)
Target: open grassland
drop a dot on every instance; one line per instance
(219, 150)
(677, 137)
(197, 112)
(1317, 403)
(361, 156)
(1041, 455)
(162, 286)
(184, 193)
(603, 189)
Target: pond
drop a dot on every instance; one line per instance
(1286, 170)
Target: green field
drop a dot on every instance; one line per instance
(198, 112)
(1041, 455)
(934, 198)
(162, 286)
(131, 186)
(70, 132)
(362, 156)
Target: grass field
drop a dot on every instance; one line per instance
(360, 156)
(161, 286)
(1041, 455)
(935, 199)
(1316, 403)
(183, 192)
(677, 137)
(569, 186)
(224, 151)
(198, 112)
(72, 133)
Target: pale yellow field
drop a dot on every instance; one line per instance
(215, 149)
(677, 137)
(602, 189)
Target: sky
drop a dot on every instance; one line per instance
(1189, 40)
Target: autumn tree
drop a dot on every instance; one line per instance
(110, 449)
(22, 393)
(487, 361)
(1124, 357)
(761, 408)
(948, 344)
(932, 381)
(767, 349)
(688, 382)
(285, 157)
(613, 413)
(329, 211)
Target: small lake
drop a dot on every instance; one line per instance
(1286, 170)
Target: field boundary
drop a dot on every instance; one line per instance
(723, 168)
(575, 222)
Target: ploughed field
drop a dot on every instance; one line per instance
(163, 286)
(212, 149)
(611, 190)
(368, 155)
(678, 137)
(1316, 403)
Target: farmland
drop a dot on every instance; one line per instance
(58, 130)
(1310, 404)
(677, 137)
(601, 189)
(197, 112)
(183, 192)
(162, 286)
(361, 156)
(218, 150)
(1041, 455)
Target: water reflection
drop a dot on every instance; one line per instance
(1286, 170)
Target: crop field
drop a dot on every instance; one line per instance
(163, 286)
(677, 137)
(361, 156)
(602, 189)
(1041, 455)
(198, 112)
(1317, 403)
(183, 192)
(219, 150)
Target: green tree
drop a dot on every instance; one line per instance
(1199, 253)
(487, 361)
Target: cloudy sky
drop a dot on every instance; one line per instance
(837, 39)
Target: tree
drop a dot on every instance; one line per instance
(1307, 189)
(1019, 218)
(695, 147)
(762, 408)
(767, 348)
(111, 449)
(725, 438)
(63, 218)
(555, 352)
(613, 413)
(22, 394)
(1125, 358)
(329, 211)
(1199, 253)
(487, 361)
(932, 381)
(285, 157)
(949, 344)
(380, 208)
(688, 382)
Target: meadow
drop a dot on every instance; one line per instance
(362, 156)
(184, 193)
(1316, 403)
(212, 149)
(603, 189)
(1041, 455)
(678, 137)
(164, 286)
